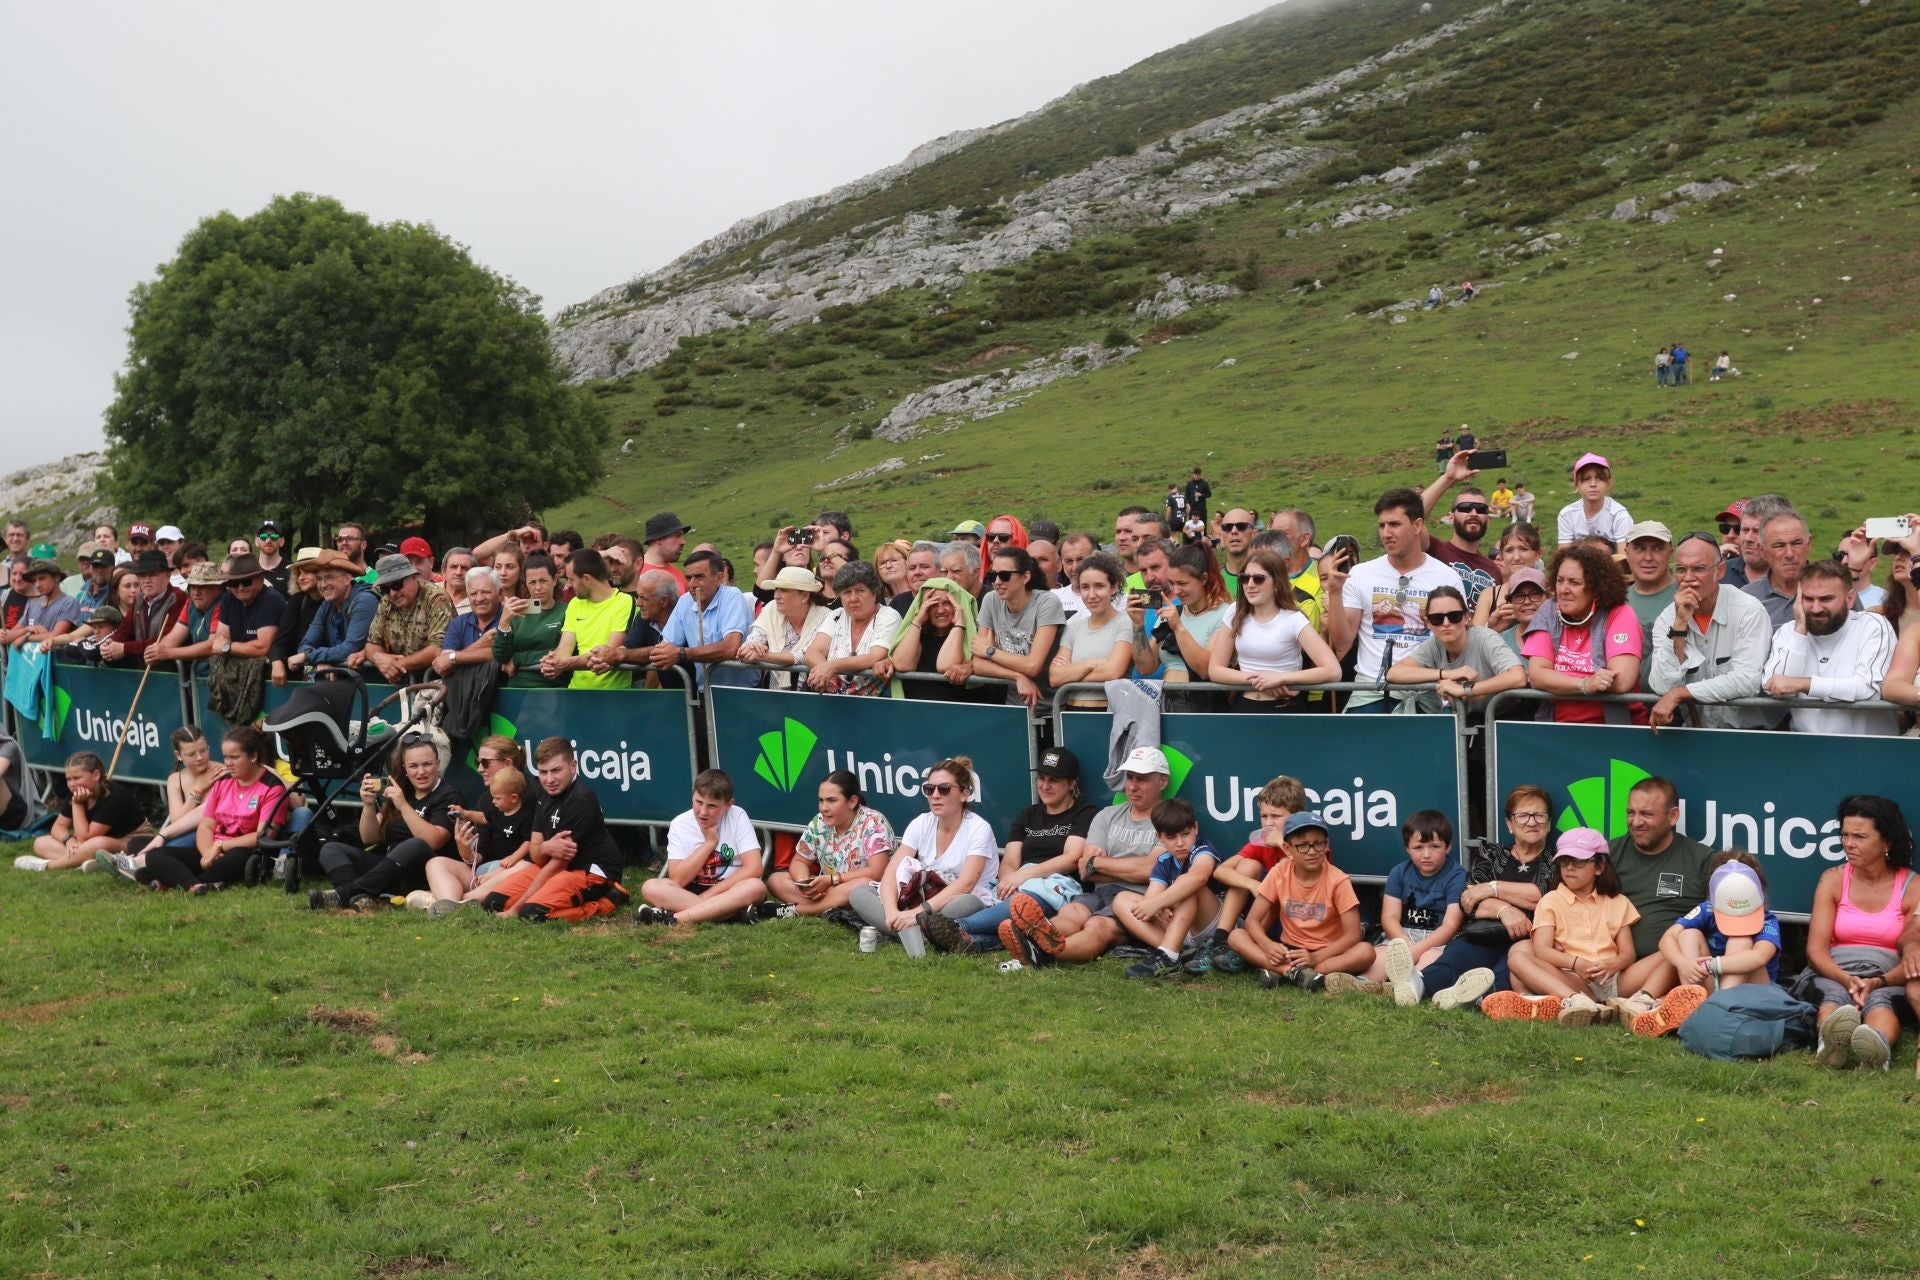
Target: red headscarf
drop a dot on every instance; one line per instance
(1019, 530)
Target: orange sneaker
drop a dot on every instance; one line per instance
(1030, 918)
(1675, 1008)
(1511, 1006)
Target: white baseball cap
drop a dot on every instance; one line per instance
(1145, 760)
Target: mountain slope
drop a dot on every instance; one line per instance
(1319, 166)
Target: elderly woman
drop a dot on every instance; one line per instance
(847, 845)
(936, 637)
(785, 629)
(1469, 664)
(239, 808)
(856, 639)
(1859, 911)
(530, 629)
(1268, 645)
(469, 637)
(1503, 887)
(1586, 639)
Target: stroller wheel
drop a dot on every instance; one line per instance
(256, 870)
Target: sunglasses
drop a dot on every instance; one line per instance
(1238, 526)
(1447, 618)
(415, 739)
(1002, 575)
(999, 537)
(484, 761)
(1726, 528)
(938, 788)
(1257, 579)
(1472, 508)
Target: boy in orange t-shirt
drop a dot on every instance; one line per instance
(1238, 878)
(1305, 921)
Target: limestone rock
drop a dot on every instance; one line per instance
(1178, 295)
(985, 394)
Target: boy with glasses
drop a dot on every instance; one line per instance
(1305, 921)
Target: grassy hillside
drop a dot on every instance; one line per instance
(1576, 106)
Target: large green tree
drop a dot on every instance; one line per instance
(308, 363)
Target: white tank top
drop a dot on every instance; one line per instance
(1273, 645)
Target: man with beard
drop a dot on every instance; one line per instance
(1831, 654)
(1472, 513)
(1709, 645)
(1662, 873)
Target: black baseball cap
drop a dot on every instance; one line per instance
(101, 558)
(1058, 762)
(269, 529)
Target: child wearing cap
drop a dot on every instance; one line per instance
(1593, 512)
(1419, 912)
(1305, 920)
(1177, 897)
(1582, 940)
(1239, 877)
(1728, 940)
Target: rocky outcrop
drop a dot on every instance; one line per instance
(63, 497)
(1178, 295)
(985, 394)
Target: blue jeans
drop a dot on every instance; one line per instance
(1457, 957)
(983, 926)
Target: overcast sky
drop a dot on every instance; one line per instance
(569, 145)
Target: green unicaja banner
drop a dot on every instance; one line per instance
(634, 746)
(778, 745)
(1772, 794)
(1364, 774)
(90, 710)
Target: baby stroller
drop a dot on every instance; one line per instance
(333, 739)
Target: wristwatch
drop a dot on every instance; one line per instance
(1676, 633)
(990, 651)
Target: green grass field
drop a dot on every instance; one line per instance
(237, 1084)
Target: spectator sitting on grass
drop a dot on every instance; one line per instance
(1709, 645)
(241, 807)
(1833, 654)
(1502, 891)
(714, 862)
(1593, 511)
(847, 844)
(1420, 913)
(406, 817)
(492, 843)
(1238, 877)
(1730, 939)
(99, 817)
(1520, 510)
(1305, 920)
(1854, 937)
(573, 866)
(947, 863)
(1581, 952)
(1178, 903)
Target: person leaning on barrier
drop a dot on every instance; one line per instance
(250, 611)
(190, 638)
(1018, 623)
(410, 623)
(338, 632)
(1468, 664)
(1508, 609)
(1585, 639)
(1650, 581)
(1094, 647)
(151, 615)
(856, 639)
(1376, 604)
(303, 604)
(785, 629)
(1830, 653)
(708, 624)
(961, 562)
(938, 613)
(50, 612)
(1786, 540)
(530, 629)
(1201, 603)
(1267, 643)
(469, 636)
(1709, 645)
(596, 615)
(923, 562)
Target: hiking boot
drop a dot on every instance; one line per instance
(1022, 947)
(444, 907)
(1133, 951)
(1347, 984)
(1835, 1045)
(1400, 973)
(323, 899)
(1511, 1006)
(1201, 962)
(1161, 966)
(1466, 990)
(1870, 1048)
(1578, 1010)
(1227, 960)
(653, 915)
(1029, 920)
(1269, 979)
(944, 932)
(1307, 978)
(1669, 1013)
(366, 903)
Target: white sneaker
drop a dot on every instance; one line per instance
(1399, 958)
(30, 862)
(1578, 1011)
(88, 865)
(1471, 985)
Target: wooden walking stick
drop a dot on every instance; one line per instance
(126, 725)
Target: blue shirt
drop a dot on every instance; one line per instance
(464, 630)
(1701, 918)
(1167, 868)
(727, 614)
(337, 635)
(1424, 899)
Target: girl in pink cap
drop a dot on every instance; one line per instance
(1593, 512)
(1582, 940)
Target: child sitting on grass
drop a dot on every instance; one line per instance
(1177, 895)
(1726, 941)
(1582, 940)
(1419, 912)
(1239, 877)
(1305, 921)
(491, 841)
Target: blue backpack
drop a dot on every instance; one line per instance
(1753, 1020)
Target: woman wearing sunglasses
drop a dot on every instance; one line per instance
(1267, 642)
(948, 862)
(1468, 663)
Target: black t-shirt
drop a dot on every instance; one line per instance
(281, 578)
(118, 807)
(1465, 442)
(244, 621)
(577, 810)
(1044, 835)
(504, 832)
(437, 808)
(1198, 491)
(641, 634)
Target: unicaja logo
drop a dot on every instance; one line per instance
(1601, 802)
(784, 754)
(62, 705)
(1179, 765)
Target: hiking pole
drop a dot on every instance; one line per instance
(126, 726)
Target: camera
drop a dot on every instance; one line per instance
(800, 537)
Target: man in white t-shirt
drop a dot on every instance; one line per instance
(1382, 602)
(1074, 548)
(713, 861)
(1832, 654)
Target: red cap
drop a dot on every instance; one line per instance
(1733, 509)
(416, 547)
(140, 529)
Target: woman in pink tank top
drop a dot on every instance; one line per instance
(1860, 911)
